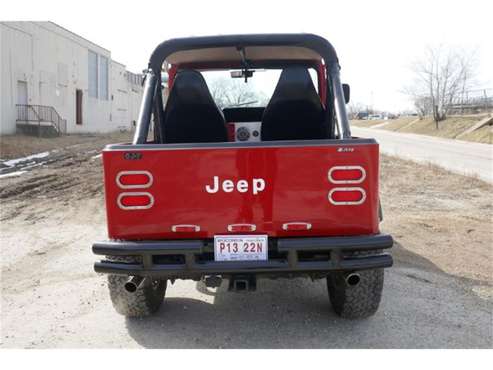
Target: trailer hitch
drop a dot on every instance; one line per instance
(243, 283)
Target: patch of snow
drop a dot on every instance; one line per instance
(13, 162)
(12, 174)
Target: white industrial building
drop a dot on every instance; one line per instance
(50, 76)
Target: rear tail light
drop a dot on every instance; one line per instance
(135, 200)
(347, 174)
(347, 196)
(241, 228)
(185, 228)
(296, 226)
(134, 179)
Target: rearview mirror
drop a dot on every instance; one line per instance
(347, 92)
(244, 73)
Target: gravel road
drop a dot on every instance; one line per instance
(51, 298)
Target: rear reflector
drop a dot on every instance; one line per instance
(134, 179)
(241, 228)
(296, 226)
(131, 201)
(185, 228)
(347, 196)
(347, 174)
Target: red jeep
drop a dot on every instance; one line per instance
(223, 183)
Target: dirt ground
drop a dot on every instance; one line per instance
(443, 217)
(438, 294)
(16, 146)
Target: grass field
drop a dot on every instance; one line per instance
(450, 128)
(366, 123)
(482, 135)
(398, 122)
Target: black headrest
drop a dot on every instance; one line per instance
(190, 87)
(295, 111)
(295, 84)
(191, 115)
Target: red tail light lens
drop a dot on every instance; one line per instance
(347, 196)
(129, 201)
(134, 179)
(347, 174)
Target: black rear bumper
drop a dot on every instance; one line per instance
(287, 256)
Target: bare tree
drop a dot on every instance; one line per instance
(440, 77)
(423, 105)
(354, 108)
(235, 92)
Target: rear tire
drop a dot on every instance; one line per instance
(144, 301)
(356, 302)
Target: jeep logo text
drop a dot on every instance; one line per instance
(242, 186)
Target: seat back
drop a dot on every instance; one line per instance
(191, 115)
(295, 111)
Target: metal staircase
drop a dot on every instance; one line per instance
(40, 120)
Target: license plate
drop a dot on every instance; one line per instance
(240, 247)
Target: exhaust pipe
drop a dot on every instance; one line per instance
(133, 283)
(352, 279)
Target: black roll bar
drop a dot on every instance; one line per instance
(309, 41)
(145, 112)
(339, 103)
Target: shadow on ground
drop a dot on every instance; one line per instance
(422, 307)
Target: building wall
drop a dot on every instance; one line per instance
(53, 62)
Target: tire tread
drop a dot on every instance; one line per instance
(143, 302)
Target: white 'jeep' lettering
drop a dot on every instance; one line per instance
(258, 185)
(242, 186)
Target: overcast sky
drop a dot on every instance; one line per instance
(376, 40)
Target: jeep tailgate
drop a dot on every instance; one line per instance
(279, 189)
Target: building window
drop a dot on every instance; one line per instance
(93, 74)
(103, 77)
(134, 79)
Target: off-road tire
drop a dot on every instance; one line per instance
(356, 302)
(143, 302)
